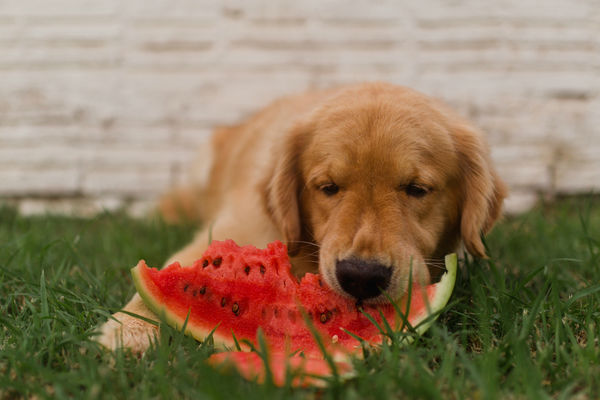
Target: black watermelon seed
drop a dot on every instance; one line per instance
(235, 308)
(359, 306)
(325, 317)
(203, 290)
(262, 269)
(292, 316)
(185, 288)
(223, 301)
(247, 269)
(204, 263)
(320, 283)
(195, 293)
(217, 261)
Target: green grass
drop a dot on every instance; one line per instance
(524, 324)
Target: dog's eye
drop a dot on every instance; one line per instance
(329, 189)
(415, 190)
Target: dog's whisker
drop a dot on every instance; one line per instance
(437, 267)
(306, 242)
(435, 262)
(313, 257)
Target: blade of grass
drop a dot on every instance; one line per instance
(582, 294)
(528, 322)
(138, 316)
(237, 344)
(44, 296)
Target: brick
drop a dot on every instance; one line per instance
(249, 94)
(47, 181)
(572, 181)
(40, 155)
(58, 8)
(533, 175)
(319, 33)
(75, 33)
(11, 30)
(18, 136)
(524, 166)
(137, 183)
(169, 10)
(59, 55)
(134, 157)
(354, 10)
(557, 10)
(520, 200)
(134, 136)
(191, 137)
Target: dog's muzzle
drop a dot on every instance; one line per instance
(362, 279)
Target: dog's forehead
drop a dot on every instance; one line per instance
(377, 144)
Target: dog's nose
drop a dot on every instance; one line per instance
(362, 279)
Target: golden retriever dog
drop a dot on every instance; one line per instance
(363, 183)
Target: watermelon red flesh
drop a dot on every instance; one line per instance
(239, 289)
(304, 371)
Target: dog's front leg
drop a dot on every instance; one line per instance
(128, 331)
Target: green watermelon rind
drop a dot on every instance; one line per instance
(172, 319)
(443, 291)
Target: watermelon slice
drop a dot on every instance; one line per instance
(233, 291)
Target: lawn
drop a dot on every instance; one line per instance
(524, 324)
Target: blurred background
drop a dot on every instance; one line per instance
(103, 103)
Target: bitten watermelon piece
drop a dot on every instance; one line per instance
(303, 370)
(237, 290)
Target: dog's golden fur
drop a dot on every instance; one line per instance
(372, 172)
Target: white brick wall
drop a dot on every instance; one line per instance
(105, 101)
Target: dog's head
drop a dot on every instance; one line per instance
(385, 181)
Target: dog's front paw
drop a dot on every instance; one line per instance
(127, 332)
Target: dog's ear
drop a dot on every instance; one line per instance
(482, 190)
(282, 188)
